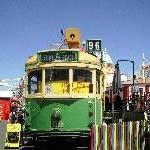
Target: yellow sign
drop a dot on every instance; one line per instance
(14, 127)
(73, 37)
(13, 135)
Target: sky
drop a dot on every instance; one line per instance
(27, 26)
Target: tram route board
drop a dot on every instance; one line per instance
(50, 56)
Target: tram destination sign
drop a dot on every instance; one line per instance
(50, 56)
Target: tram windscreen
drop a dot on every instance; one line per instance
(56, 75)
(81, 75)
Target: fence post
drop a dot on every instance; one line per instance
(96, 137)
(115, 133)
(123, 136)
(130, 124)
(92, 139)
(137, 135)
(120, 131)
(105, 137)
(110, 139)
(101, 137)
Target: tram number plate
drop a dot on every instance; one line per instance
(93, 45)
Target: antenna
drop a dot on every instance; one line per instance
(64, 40)
(143, 68)
(143, 60)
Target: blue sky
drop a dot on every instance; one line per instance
(27, 26)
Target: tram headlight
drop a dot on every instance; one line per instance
(56, 118)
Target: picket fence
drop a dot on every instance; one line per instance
(119, 136)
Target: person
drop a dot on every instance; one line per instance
(20, 116)
(13, 117)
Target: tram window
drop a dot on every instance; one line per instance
(97, 82)
(34, 82)
(82, 75)
(56, 75)
(141, 91)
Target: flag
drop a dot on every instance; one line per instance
(62, 32)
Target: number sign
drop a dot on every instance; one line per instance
(58, 56)
(93, 45)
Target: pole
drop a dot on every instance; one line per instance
(133, 71)
(132, 67)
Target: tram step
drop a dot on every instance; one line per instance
(83, 148)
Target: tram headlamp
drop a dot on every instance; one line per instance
(90, 124)
(56, 118)
(56, 114)
(90, 114)
(90, 104)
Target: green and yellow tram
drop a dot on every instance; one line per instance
(64, 95)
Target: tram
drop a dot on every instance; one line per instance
(64, 94)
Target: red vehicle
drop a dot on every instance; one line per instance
(5, 98)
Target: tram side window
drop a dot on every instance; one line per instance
(56, 75)
(81, 75)
(97, 82)
(34, 82)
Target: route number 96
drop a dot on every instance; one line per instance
(93, 45)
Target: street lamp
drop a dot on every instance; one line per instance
(132, 68)
(117, 81)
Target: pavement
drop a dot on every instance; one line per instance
(3, 125)
(2, 133)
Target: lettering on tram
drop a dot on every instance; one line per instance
(57, 56)
(56, 80)
(82, 81)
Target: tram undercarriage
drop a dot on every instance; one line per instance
(56, 140)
